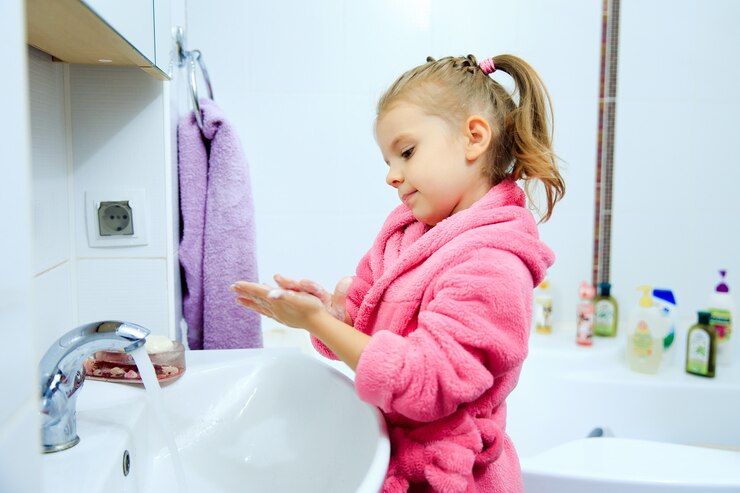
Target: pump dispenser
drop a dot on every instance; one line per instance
(645, 333)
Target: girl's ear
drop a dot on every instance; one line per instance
(477, 133)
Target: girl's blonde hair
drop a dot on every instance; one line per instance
(453, 88)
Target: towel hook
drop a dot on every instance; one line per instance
(190, 58)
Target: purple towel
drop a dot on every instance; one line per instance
(218, 233)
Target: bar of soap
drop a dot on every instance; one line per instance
(158, 344)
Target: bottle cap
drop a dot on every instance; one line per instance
(722, 287)
(646, 301)
(665, 295)
(605, 288)
(704, 317)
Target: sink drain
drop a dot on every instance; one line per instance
(126, 462)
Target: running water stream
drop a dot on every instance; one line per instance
(153, 391)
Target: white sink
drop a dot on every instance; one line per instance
(244, 420)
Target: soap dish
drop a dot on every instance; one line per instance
(119, 366)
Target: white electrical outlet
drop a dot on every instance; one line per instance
(116, 218)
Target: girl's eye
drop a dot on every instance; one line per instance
(407, 153)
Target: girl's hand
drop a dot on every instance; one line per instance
(291, 308)
(333, 302)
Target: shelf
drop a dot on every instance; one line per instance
(72, 33)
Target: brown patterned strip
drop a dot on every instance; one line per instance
(605, 141)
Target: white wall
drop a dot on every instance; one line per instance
(676, 166)
(97, 129)
(71, 129)
(300, 80)
(19, 458)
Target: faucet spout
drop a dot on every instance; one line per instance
(62, 375)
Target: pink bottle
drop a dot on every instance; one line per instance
(585, 315)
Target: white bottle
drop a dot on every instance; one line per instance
(721, 308)
(543, 309)
(645, 333)
(666, 303)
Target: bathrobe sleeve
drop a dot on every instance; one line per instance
(361, 283)
(473, 329)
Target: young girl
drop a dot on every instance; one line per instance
(435, 323)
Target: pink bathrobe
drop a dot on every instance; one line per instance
(449, 311)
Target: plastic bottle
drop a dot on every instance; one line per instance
(606, 312)
(645, 333)
(585, 315)
(701, 347)
(722, 310)
(666, 303)
(543, 308)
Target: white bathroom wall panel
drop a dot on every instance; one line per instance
(301, 81)
(55, 313)
(53, 290)
(176, 97)
(20, 460)
(19, 457)
(133, 290)
(117, 143)
(675, 172)
(51, 230)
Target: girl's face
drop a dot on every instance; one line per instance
(427, 163)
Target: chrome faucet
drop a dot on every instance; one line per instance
(62, 375)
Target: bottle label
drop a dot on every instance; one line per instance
(721, 320)
(697, 352)
(603, 318)
(642, 340)
(585, 324)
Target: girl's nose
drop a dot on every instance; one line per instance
(394, 177)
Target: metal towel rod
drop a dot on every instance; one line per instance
(190, 58)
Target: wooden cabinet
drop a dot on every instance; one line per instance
(109, 32)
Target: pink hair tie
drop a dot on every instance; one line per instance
(487, 66)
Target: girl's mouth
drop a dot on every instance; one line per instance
(405, 198)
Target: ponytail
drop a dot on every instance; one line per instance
(528, 131)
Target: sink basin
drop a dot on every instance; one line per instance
(273, 420)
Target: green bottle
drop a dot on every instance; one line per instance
(606, 312)
(701, 347)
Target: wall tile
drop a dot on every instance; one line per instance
(49, 154)
(133, 290)
(299, 246)
(19, 459)
(17, 361)
(381, 40)
(653, 53)
(55, 311)
(117, 136)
